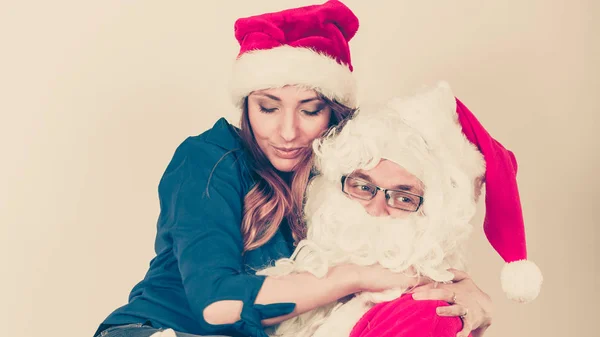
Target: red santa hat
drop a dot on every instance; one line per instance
(306, 46)
(504, 228)
(503, 225)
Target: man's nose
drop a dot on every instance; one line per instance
(378, 205)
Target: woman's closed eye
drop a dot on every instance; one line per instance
(312, 113)
(266, 110)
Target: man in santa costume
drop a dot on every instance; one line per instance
(415, 166)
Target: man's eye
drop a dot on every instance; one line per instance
(407, 200)
(363, 188)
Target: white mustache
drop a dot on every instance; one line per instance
(345, 232)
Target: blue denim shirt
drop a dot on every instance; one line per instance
(199, 246)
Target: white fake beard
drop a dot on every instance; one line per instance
(346, 233)
(341, 231)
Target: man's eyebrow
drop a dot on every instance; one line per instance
(362, 176)
(410, 188)
(401, 187)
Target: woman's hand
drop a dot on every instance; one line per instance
(466, 301)
(376, 278)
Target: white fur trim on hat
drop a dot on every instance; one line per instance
(285, 65)
(521, 280)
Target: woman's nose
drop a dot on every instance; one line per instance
(288, 129)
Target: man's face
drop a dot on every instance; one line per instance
(389, 175)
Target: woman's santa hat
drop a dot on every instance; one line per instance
(306, 46)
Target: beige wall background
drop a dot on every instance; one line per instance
(95, 97)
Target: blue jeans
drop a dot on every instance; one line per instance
(139, 330)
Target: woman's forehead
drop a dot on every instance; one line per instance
(288, 92)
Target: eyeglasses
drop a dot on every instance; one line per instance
(364, 190)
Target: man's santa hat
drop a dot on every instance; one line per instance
(464, 149)
(306, 46)
(503, 223)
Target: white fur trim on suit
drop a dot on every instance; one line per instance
(521, 280)
(285, 65)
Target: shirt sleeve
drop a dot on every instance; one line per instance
(202, 203)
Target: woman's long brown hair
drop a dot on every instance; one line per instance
(272, 198)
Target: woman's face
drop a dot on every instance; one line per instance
(285, 121)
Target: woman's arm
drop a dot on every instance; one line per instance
(201, 197)
(309, 292)
(304, 289)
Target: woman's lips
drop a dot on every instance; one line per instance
(287, 153)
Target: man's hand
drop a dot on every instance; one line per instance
(466, 300)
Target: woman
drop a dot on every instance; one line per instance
(231, 199)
